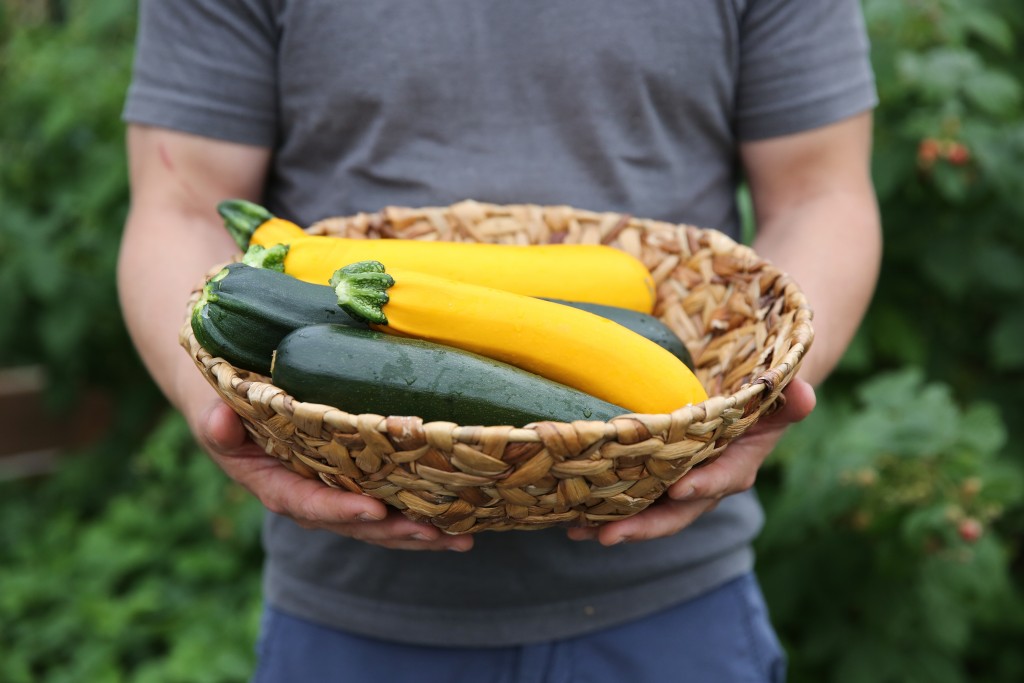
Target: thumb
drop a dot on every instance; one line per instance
(796, 403)
(800, 401)
(223, 428)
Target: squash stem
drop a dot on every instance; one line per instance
(271, 258)
(207, 296)
(362, 290)
(242, 218)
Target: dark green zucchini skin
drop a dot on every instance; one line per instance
(363, 371)
(245, 312)
(641, 323)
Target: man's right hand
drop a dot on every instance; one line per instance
(172, 238)
(309, 502)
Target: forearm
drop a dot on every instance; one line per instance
(830, 244)
(165, 253)
(172, 238)
(817, 220)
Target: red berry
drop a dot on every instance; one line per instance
(928, 151)
(957, 154)
(970, 530)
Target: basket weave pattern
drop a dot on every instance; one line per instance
(746, 324)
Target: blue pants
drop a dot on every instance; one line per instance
(721, 637)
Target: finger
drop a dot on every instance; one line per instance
(313, 505)
(736, 469)
(224, 429)
(665, 518)
(397, 531)
(800, 401)
(310, 503)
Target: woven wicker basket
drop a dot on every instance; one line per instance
(746, 324)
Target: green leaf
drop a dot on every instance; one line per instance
(939, 73)
(943, 264)
(1006, 341)
(994, 92)
(990, 28)
(982, 429)
(897, 337)
(951, 182)
(999, 267)
(858, 356)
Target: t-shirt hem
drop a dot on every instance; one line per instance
(498, 627)
(796, 117)
(197, 117)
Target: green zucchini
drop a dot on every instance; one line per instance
(247, 308)
(245, 312)
(641, 323)
(363, 371)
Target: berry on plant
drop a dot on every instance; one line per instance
(970, 529)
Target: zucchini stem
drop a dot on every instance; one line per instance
(271, 258)
(207, 296)
(362, 290)
(242, 218)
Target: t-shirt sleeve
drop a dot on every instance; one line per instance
(207, 68)
(802, 65)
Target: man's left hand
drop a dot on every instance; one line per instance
(701, 489)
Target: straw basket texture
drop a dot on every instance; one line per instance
(746, 324)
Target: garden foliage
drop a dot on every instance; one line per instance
(892, 550)
(151, 581)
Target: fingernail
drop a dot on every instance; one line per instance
(687, 492)
(368, 517)
(418, 536)
(620, 539)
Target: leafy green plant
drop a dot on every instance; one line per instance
(63, 189)
(153, 580)
(950, 137)
(949, 141)
(879, 556)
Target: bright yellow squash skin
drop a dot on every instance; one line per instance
(250, 224)
(574, 272)
(588, 273)
(574, 347)
(277, 231)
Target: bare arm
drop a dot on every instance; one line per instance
(172, 238)
(818, 221)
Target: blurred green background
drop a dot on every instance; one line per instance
(893, 550)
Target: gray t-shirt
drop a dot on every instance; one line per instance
(635, 107)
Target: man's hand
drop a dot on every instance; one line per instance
(173, 237)
(817, 220)
(311, 503)
(701, 489)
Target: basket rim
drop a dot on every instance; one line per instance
(243, 383)
(712, 408)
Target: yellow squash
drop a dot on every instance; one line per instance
(589, 273)
(567, 345)
(279, 231)
(244, 220)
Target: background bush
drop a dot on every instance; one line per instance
(893, 546)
